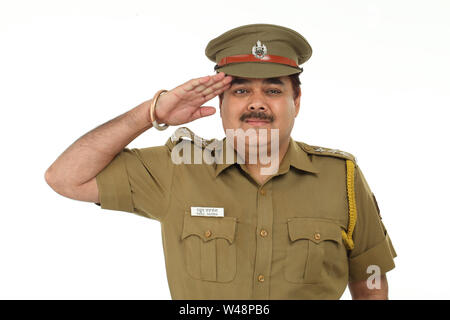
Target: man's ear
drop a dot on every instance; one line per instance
(297, 102)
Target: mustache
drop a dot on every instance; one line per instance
(256, 115)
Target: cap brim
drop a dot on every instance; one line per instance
(258, 70)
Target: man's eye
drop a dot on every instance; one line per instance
(274, 91)
(239, 91)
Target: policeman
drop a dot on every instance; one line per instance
(304, 228)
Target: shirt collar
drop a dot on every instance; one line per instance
(298, 158)
(222, 155)
(295, 156)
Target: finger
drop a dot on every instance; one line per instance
(224, 82)
(216, 92)
(203, 112)
(212, 81)
(192, 84)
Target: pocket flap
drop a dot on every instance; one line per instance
(313, 229)
(208, 228)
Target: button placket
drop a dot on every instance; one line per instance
(263, 263)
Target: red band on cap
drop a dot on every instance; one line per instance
(252, 58)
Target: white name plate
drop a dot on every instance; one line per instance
(207, 212)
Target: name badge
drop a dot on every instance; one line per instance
(207, 212)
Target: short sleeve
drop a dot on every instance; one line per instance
(372, 243)
(137, 181)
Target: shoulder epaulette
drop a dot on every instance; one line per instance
(327, 152)
(185, 132)
(350, 162)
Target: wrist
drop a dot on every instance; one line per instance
(141, 115)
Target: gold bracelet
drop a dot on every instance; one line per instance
(152, 111)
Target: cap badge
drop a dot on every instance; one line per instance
(259, 50)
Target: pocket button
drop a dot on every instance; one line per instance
(208, 233)
(317, 236)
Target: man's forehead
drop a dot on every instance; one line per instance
(274, 80)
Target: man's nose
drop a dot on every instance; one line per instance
(257, 107)
(257, 102)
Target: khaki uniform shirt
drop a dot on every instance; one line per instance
(279, 240)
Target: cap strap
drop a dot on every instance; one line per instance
(252, 58)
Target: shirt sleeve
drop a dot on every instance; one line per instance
(137, 181)
(372, 243)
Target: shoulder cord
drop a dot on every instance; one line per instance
(352, 214)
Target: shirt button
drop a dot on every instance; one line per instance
(207, 233)
(261, 278)
(263, 233)
(317, 236)
(262, 192)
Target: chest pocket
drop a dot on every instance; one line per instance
(315, 248)
(209, 247)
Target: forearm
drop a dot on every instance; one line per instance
(370, 296)
(360, 290)
(92, 152)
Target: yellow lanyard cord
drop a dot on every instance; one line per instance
(347, 236)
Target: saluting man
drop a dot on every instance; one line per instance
(305, 228)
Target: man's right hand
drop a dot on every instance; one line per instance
(73, 173)
(183, 104)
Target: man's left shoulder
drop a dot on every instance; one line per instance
(328, 152)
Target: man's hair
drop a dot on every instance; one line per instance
(295, 81)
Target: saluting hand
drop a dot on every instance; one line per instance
(184, 103)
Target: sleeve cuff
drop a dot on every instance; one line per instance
(113, 186)
(382, 255)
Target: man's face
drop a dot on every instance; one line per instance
(260, 103)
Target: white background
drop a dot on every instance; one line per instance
(377, 85)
